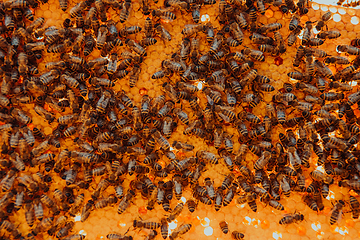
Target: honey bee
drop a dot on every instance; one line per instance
(38, 210)
(112, 65)
(328, 34)
(224, 227)
(89, 44)
(183, 117)
(35, 24)
(147, 42)
(125, 202)
(348, 49)
(77, 236)
(310, 202)
(336, 211)
(20, 116)
(336, 60)
(10, 228)
(182, 146)
(291, 218)
(164, 14)
(19, 199)
(210, 33)
(256, 55)
(275, 204)
(125, 11)
(147, 225)
(29, 214)
(324, 19)
(271, 27)
(217, 43)
(134, 75)
(177, 4)
(136, 47)
(126, 31)
(65, 230)
(175, 212)
(86, 210)
(181, 230)
(168, 106)
(63, 5)
(355, 207)
(115, 236)
(148, 28)
(284, 185)
(279, 42)
(262, 161)
(236, 32)
(162, 32)
(237, 235)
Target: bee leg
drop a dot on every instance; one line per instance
(127, 230)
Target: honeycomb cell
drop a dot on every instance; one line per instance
(341, 10)
(315, 6)
(337, 18)
(324, 8)
(269, 13)
(333, 9)
(278, 15)
(355, 20)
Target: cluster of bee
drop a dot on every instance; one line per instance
(350, 3)
(115, 137)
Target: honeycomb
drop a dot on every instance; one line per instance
(262, 224)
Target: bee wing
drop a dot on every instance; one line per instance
(227, 108)
(339, 218)
(210, 101)
(226, 118)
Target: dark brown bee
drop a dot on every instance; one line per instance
(256, 55)
(125, 202)
(115, 236)
(271, 27)
(162, 32)
(355, 207)
(164, 14)
(329, 34)
(182, 146)
(224, 227)
(134, 75)
(181, 230)
(38, 210)
(336, 60)
(149, 28)
(237, 235)
(175, 212)
(336, 211)
(126, 31)
(147, 42)
(177, 4)
(191, 205)
(125, 11)
(275, 204)
(147, 225)
(136, 47)
(63, 4)
(29, 214)
(324, 19)
(102, 203)
(294, 22)
(291, 218)
(310, 202)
